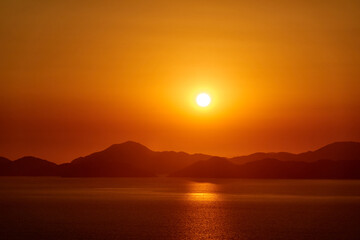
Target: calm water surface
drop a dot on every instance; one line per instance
(166, 208)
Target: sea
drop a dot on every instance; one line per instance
(174, 208)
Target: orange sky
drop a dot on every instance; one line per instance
(78, 76)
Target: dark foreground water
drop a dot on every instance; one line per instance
(165, 208)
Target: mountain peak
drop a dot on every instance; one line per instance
(338, 151)
(129, 145)
(341, 146)
(30, 158)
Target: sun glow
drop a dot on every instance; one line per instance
(203, 99)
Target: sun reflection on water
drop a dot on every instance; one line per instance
(204, 217)
(202, 197)
(202, 191)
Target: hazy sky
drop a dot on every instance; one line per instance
(78, 76)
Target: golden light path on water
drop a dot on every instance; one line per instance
(205, 216)
(203, 192)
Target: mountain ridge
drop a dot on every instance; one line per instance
(132, 159)
(273, 169)
(346, 150)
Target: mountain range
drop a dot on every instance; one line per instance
(272, 168)
(340, 160)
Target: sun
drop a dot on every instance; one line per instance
(203, 99)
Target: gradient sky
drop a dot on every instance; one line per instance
(78, 76)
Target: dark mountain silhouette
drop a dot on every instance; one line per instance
(32, 166)
(131, 159)
(28, 166)
(284, 156)
(272, 168)
(5, 165)
(215, 167)
(321, 169)
(119, 160)
(4, 160)
(170, 161)
(336, 151)
(103, 169)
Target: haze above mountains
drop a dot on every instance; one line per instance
(340, 160)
